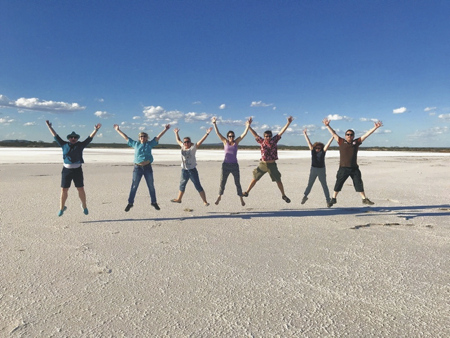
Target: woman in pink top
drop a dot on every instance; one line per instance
(230, 164)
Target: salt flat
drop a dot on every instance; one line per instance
(266, 269)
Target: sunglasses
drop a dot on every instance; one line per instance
(187, 142)
(349, 134)
(230, 135)
(74, 137)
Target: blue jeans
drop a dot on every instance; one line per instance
(313, 174)
(191, 174)
(138, 172)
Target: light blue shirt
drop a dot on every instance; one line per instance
(142, 151)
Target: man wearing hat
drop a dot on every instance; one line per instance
(73, 159)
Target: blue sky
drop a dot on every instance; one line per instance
(143, 64)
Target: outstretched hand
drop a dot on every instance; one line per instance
(116, 127)
(378, 124)
(176, 130)
(326, 122)
(213, 119)
(98, 126)
(49, 124)
(167, 127)
(305, 131)
(209, 130)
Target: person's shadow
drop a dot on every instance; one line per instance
(405, 212)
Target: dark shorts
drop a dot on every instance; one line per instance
(67, 175)
(344, 173)
(270, 168)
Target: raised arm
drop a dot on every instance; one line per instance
(328, 144)
(326, 122)
(199, 143)
(166, 128)
(247, 126)
(177, 137)
(49, 125)
(121, 133)
(377, 125)
(96, 128)
(289, 120)
(253, 132)
(305, 132)
(214, 122)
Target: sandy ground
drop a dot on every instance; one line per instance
(267, 269)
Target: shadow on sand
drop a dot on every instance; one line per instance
(405, 212)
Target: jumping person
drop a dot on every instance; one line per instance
(269, 154)
(230, 163)
(189, 164)
(348, 166)
(318, 152)
(143, 159)
(73, 159)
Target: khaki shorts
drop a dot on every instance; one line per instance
(270, 168)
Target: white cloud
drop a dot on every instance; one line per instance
(194, 117)
(400, 110)
(40, 105)
(430, 133)
(430, 109)
(136, 117)
(260, 104)
(197, 102)
(336, 117)
(27, 124)
(222, 106)
(103, 114)
(445, 117)
(6, 121)
(160, 114)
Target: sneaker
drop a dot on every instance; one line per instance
(129, 206)
(304, 199)
(329, 204)
(85, 210)
(61, 212)
(333, 201)
(367, 201)
(154, 205)
(285, 198)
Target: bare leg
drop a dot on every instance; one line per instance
(250, 187)
(203, 196)
(242, 201)
(64, 195)
(82, 196)
(280, 186)
(218, 199)
(363, 195)
(180, 196)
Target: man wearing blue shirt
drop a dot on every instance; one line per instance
(73, 159)
(143, 159)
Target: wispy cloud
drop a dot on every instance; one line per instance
(427, 109)
(103, 114)
(365, 119)
(337, 117)
(40, 105)
(260, 104)
(222, 106)
(400, 110)
(430, 132)
(195, 117)
(28, 124)
(6, 121)
(445, 117)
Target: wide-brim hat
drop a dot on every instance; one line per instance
(74, 134)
